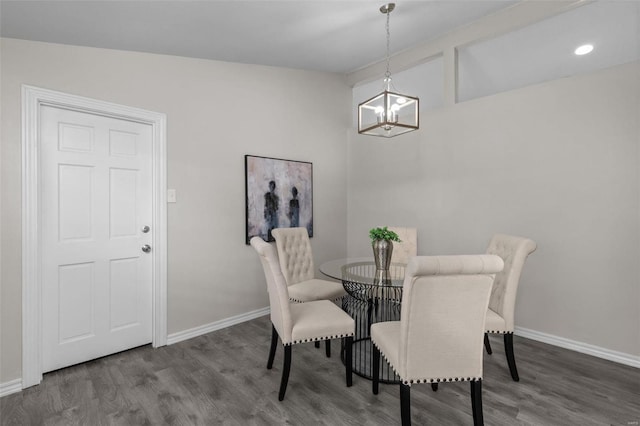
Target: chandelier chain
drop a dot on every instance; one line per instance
(388, 73)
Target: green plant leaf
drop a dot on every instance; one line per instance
(383, 234)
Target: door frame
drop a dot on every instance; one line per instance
(33, 98)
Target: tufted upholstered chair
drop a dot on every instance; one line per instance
(500, 316)
(407, 248)
(296, 262)
(439, 335)
(300, 322)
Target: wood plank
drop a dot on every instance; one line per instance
(221, 378)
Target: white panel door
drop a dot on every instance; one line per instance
(95, 201)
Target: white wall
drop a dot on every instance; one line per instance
(216, 112)
(557, 162)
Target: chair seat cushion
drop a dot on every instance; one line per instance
(315, 289)
(386, 337)
(495, 323)
(319, 320)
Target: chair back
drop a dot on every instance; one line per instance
(294, 252)
(407, 248)
(513, 251)
(444, 305)
(277, 288)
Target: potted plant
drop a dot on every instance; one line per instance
(382, 243)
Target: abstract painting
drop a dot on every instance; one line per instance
(279, 194)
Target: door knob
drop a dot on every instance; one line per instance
(145, 229)
(146, 248)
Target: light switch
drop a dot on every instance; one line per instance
(171, 195)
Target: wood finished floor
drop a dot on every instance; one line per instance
(220, 379)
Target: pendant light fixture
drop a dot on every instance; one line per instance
(388, 114)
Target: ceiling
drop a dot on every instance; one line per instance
(330, 35)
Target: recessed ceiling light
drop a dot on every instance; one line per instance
(584, 49)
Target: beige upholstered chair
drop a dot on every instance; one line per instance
(296, 263)
(300, 322)
(439, 335)
(407, 248)
(500, 316)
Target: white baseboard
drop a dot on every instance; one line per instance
(208, 328)
(8, 388)
(619, 357)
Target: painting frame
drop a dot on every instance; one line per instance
(278, 194)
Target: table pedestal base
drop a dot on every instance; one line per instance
(365, 311)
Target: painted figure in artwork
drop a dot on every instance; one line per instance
(294, 209)
(271, 204)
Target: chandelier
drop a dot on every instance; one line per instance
(389, 113)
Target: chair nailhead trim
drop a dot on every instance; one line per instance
(315, 339)
(449, 379)
(439, 380)
(337, 299)
(499, 332)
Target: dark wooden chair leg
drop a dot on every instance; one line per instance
(274, 345)
(405, 404)
(327, 348)
(316, 344)
(487, 344)
(511, 360)
(375, 382)
(434, 387)
(285, 372)
(348, 359)
(476, 403)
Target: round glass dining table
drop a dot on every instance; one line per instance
(373, 295)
